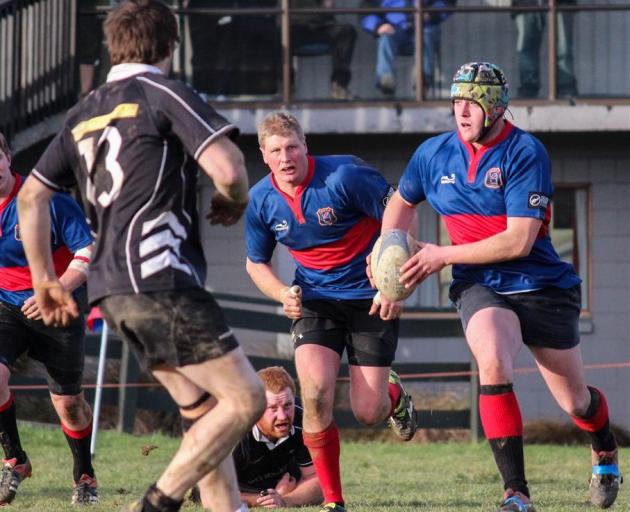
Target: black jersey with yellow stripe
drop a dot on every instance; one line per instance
(131, 147)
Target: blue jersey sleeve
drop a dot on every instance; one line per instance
(411, 186)
(68, 223)
(528, 187)
(364, 189)
(259, 239)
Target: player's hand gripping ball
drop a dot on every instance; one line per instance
(391, 250)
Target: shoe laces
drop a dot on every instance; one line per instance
(85, 490)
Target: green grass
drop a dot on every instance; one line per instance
(377, 476)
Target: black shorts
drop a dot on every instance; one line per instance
(60, 349)
(549, 317)
(346, 324)
(175, 327)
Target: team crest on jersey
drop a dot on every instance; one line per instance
(326, 216)
(494, 178)
(16, 233)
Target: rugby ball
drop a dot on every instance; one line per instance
(391, 250)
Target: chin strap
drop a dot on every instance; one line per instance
(486, 130)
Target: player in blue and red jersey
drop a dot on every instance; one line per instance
(491, 182)
(327, 211)
(60, 350)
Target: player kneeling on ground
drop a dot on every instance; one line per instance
(273, 467)
(59, 349)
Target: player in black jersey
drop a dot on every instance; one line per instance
(133, 146)
(273, 467)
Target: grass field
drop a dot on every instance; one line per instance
(377, 476)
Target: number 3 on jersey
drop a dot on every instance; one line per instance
(89, 151)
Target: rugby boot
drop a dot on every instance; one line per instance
(404, 419)
(514, 501)
(332, 507)
(84, 491)
(606, 478)
(11, 477)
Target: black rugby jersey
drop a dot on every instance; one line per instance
(260, 464)
(131, 147)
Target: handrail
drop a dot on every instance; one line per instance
(36, 61)
(37, 53)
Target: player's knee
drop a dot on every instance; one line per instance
(316, 404)
(249, 406)
(73, 409)
(368, 415)
(495, 371)
(257, 401)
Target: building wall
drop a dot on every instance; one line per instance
(598, 159)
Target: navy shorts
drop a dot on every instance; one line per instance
(175, 327)
(346, 325)
(60, 349)
(549, 317)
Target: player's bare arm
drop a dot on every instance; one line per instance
(270, 284)
(53, 300)
(224, 163)
(514, 242)
(74, 276)
(307, 490)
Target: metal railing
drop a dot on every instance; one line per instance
(36, 61)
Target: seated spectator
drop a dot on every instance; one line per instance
(395, 33)
(273, 467)
(530, 27)
(309, 29)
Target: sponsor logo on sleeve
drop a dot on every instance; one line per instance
(538, 200)
(16, 233)
(281, 226)
(448, 180)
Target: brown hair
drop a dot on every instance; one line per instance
(4, 145)
(276, 379)
(279, 123)
(142, 31)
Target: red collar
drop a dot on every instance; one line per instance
(305, 183)
(14, 191)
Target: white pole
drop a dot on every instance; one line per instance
(102, 359)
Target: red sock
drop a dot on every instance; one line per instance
(595, 419)
(324, 448)
(79, 442)
(500, 415)
(393, 390)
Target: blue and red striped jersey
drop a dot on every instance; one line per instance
(69, 233)
(475, 193)
(329, 226)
